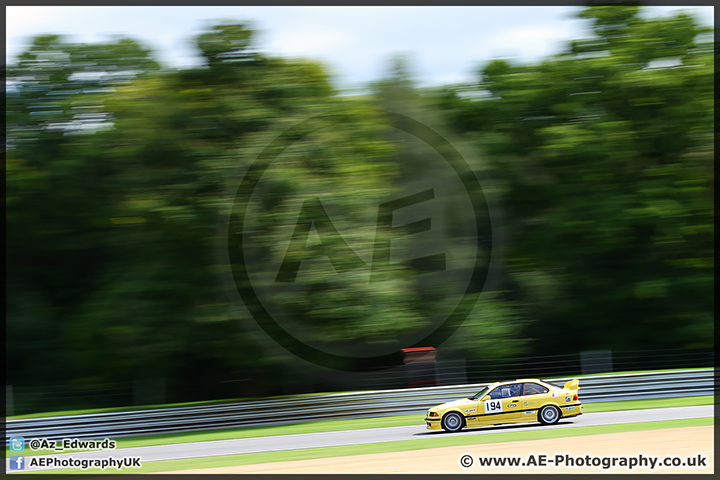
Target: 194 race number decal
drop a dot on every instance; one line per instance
(493, 406)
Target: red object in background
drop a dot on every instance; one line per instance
(419, 354)
(420, 366)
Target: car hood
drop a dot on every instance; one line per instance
(455, 403)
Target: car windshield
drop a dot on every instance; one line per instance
(480, 393)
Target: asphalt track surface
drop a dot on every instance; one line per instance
(376, 435)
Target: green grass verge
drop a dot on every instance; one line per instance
(647, 403)
(363, 423)
(636, 371)
(399, 446)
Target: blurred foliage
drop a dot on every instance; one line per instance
(605, 153)
(114, 227)
(120, 176)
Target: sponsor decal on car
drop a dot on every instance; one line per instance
(530, 412)
(569, 408)
(512, 405)
(469, 410)
(567, 399)
(554, 394)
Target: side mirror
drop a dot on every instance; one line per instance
(486, 397)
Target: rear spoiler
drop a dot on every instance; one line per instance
(573, 384)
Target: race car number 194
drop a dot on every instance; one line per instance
(493, 406)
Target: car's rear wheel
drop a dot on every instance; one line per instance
(452, 422)
(549, 415)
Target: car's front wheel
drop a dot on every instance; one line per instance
(549, 415)
(452, 422)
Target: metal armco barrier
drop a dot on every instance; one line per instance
(339, 406)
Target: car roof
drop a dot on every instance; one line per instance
(519, 380)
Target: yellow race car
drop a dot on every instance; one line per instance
(514, 401)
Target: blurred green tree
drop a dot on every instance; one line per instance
(117, 174)
(119, 182)
(120, 176)
(492, 328)
(56, 180)
(605, 155)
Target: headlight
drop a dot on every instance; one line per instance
(433, 414)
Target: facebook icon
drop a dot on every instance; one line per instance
(17, 462)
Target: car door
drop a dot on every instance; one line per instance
(533, 397)
(501, 404)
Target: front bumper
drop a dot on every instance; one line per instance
(432, 423)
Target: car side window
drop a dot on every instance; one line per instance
(495, 394)
(506, 391)
(533, 389)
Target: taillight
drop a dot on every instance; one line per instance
(575, 397)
